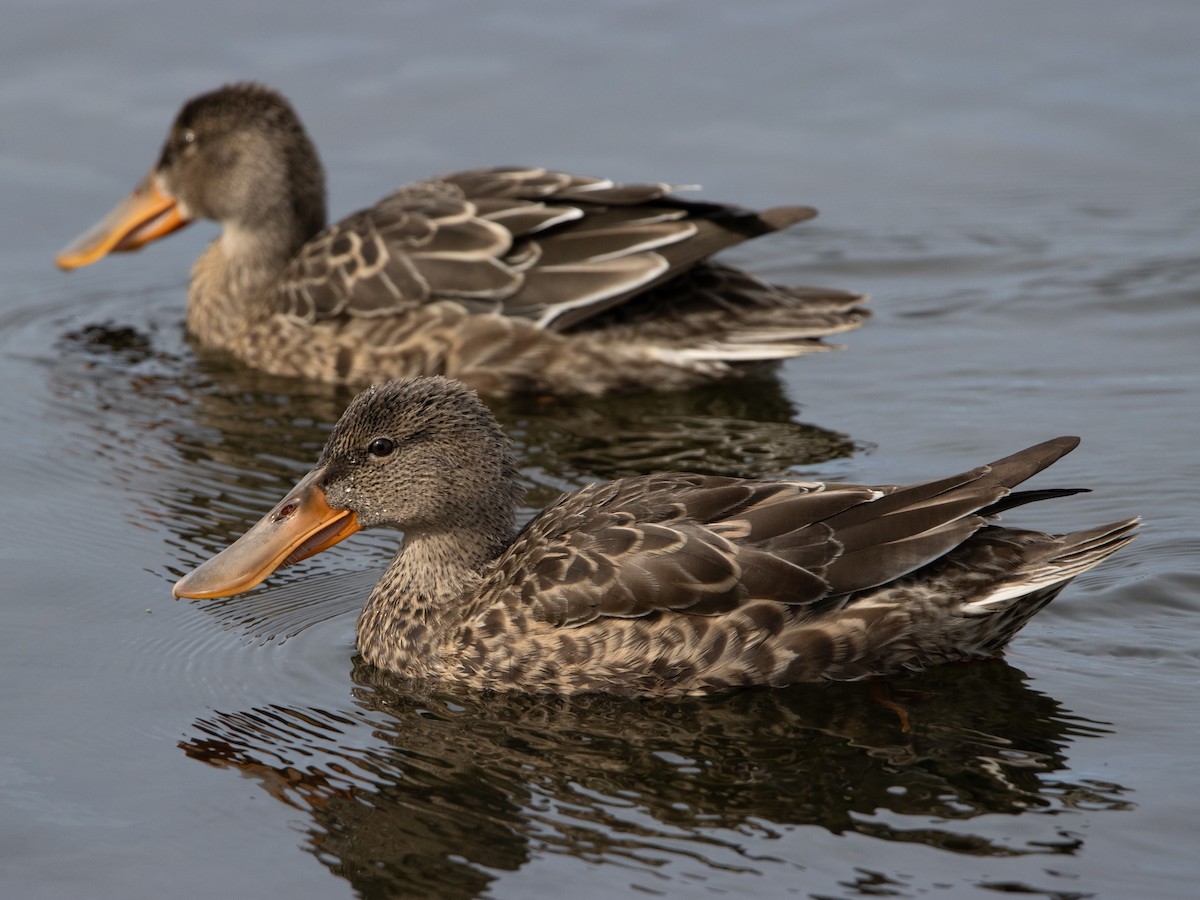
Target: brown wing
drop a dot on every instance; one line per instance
(419, 244)
(631, 547)
(704, 545)
(535, 243)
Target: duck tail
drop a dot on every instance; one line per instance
(780, 217)
(1048, 569)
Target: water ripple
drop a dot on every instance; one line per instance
(395, 801)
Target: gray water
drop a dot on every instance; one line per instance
(1014, 183)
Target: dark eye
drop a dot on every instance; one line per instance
(381, 446)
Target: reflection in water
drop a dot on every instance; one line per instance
(436, 796)
(743, 428)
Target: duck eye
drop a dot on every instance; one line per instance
(381, 446)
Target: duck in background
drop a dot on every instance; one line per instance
(508, 279)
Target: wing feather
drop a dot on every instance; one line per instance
(706, 545)
(546, 246)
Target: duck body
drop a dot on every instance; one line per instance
(509, 279)
(660, 584)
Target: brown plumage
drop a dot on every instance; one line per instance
(509, 279)
(658, 584)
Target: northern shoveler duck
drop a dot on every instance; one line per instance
(657, 584)
(509, 279)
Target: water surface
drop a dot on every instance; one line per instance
(1014, 186)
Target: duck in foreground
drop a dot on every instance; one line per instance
(658, 584)
(509, 279)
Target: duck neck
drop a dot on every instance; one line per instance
(232, 280)
(420, 604)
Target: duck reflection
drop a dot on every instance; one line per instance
(748, 429)
(224, 413)
(411, 795)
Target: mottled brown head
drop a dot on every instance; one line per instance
(240, 156)
(421, 454)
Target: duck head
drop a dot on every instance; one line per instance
(239, 156)
(423, 455)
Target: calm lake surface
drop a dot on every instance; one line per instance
(1014, 184)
